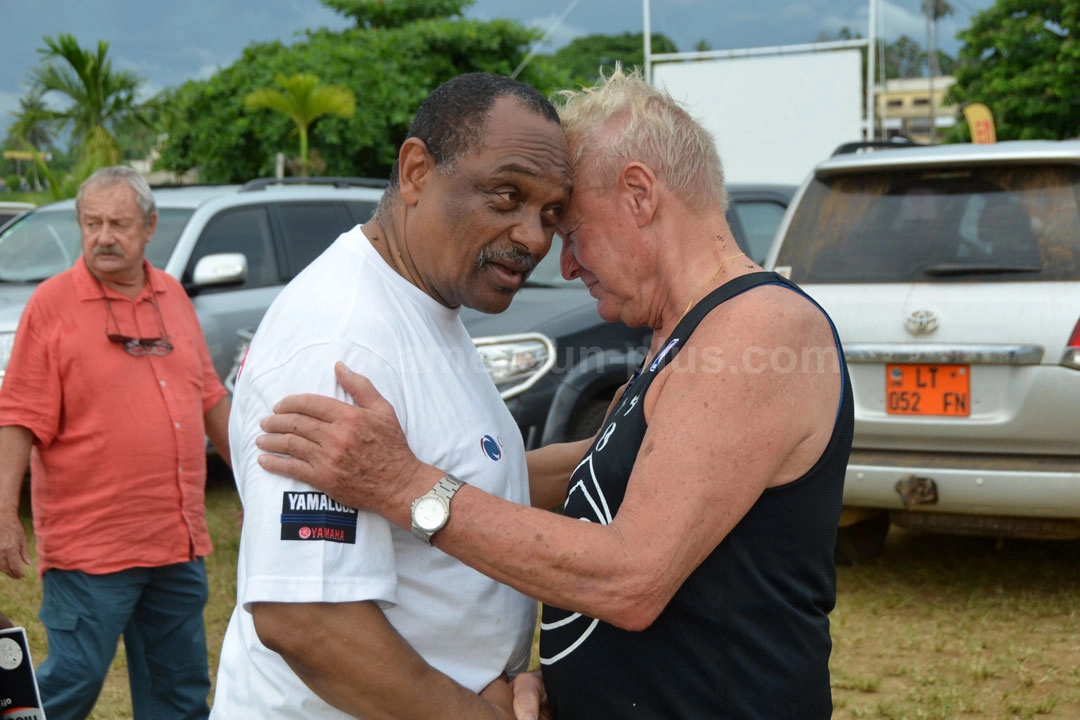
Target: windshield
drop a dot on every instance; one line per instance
(986, 224)
(47, 242)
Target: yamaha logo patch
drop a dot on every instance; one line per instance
(316, 516)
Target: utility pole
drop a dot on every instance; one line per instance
(931, 65)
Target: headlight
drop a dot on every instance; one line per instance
(7, 341)
(516, 362)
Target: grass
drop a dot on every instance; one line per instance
(20, 599)
(959, 627)
(940, 628)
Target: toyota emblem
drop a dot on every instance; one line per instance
(921, 322)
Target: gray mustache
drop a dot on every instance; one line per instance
(107, 250)
(511, 256)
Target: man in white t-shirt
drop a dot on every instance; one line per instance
(339, 613)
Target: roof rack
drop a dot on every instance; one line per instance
(898, 141)
(341, 182)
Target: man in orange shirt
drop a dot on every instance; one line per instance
(112, 423)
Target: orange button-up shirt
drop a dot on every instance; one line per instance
(118, 467)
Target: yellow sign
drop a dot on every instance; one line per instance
(981, 123)
(19, 155)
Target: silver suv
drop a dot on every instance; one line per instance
(953, 275)
(233, 248)
(10, 210)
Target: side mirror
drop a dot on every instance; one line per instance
(220, 269)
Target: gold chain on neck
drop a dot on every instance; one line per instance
(694, 299)
(712, 277)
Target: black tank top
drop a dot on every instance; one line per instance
(747, 634)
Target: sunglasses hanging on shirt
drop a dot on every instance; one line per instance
(137, 345)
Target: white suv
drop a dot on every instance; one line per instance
(233, 248)
(953, 276)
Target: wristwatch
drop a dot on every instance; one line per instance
(431, 511)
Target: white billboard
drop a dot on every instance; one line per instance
(773, 117)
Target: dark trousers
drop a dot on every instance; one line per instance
(160, 613)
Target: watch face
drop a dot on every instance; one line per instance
(11, 655)
(429, 514)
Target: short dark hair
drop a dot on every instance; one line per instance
(452, 119)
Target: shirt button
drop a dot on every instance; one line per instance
(162, 383)
(176, 425)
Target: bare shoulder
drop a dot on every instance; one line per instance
(770, 332)
(761, 371)
(772, 313)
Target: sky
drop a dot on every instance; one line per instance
(168, 43)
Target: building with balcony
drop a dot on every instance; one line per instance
(904, 107)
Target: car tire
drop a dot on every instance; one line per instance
(586, 421)
(863, 540)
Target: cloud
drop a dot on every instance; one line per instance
(206, 72)
(898, 20)
(557, 35)
(796, 11)
(9, 103)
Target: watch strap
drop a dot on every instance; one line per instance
(447, 486)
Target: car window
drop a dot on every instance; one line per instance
(309, 227)
(759, 219)
(171, 222)
(46, 242)
(988, 224)
(362, 210)
(240, 230)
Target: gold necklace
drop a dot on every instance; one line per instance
(712, 277)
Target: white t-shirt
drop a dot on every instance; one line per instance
(298, 545)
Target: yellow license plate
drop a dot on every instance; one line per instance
(928, 390)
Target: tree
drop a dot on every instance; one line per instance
(29, 130)
(904, 58)
(946, 63)
(390, 69)
(29, 125)
(844, 33)
(373, 14)
(934, 10)
(584, 57)
(1021, 58)
(100, 97)
(303, 100)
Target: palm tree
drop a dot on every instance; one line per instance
(934, 10)
(100, 96)
(303, 100)
(30, 129)
(29, 125)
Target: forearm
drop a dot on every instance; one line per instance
(216, 421)
(15, 444)
(581, 566)
(585, 567)
(549, 471)
(351, 657)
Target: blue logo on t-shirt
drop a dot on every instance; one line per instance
(491, 447)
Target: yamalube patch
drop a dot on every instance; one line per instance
(316, 516)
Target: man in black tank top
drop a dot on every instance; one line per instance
(691, 575)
